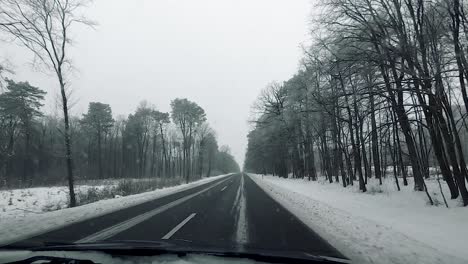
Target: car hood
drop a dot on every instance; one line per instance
(130, 248)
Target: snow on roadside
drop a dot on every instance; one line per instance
(22, 202)
(386, 227)
(29, 220)
(240, 204)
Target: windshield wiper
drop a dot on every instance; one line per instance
(52, 260)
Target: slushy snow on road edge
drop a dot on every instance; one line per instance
(240, 205)
(355, 233)
(21, 226)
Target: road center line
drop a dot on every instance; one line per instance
(224, 188)
(122, 226)
(179, 226)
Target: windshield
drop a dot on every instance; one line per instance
(331, 130)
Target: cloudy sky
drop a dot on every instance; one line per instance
(218, 53)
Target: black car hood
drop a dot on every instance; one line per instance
(185, 247)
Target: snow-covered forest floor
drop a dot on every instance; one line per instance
(38, 200)
(35, 200)
(380, 226)
(25, 212)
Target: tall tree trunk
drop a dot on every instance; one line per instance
(100, 154)
(374, 139)
(394, 156)
(344, 178)
(357, 154)
(163, 142)
(210, 158)
(459, 54)
(153, 157)
(27, 177)
(363, 149)
(399, 151)
(68, 142)
(310, 157)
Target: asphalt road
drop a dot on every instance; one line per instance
(228, 212)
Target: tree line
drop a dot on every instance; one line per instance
(381, 92)
(41, 148)
(146, 143)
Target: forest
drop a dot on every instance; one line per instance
(147, 143)
(380, 93)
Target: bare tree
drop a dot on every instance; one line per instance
(43, 27)
(381, 81)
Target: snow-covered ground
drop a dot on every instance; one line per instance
(23, 202)
(382, 226)
(32, 211)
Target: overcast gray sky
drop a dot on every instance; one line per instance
(218, 53)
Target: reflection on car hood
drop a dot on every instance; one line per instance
(128, 248)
